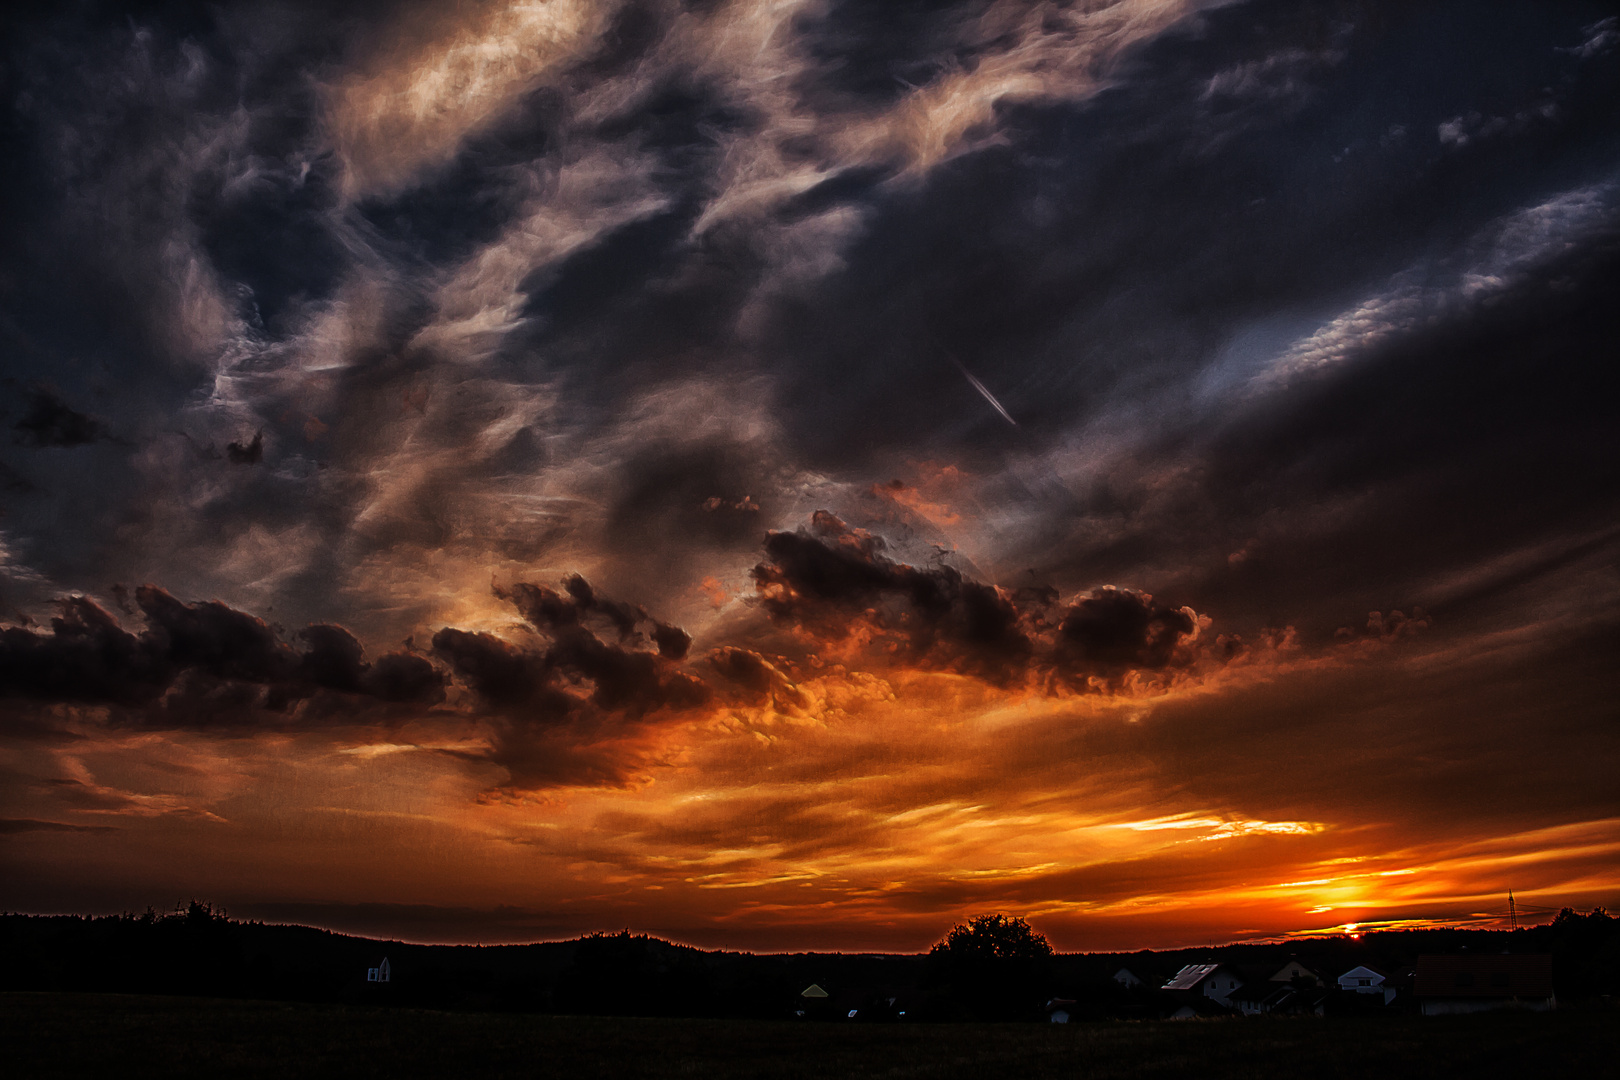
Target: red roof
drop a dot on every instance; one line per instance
(1485, 976)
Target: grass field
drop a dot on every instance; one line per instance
(124, 1036)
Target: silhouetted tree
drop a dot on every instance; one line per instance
(994, 967)
(998, 936)
(1586, 952)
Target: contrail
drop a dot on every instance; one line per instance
(988, 396)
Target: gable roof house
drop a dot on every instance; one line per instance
(1255, 998)
(1466, 984)
(1295, 971)
(1299, 1001)
(1362, 980)
(813, 1002)
(1129, 979)
(1213, 981)
(381, 973)
(1198, 1008)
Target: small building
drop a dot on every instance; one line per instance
(381, 973)
(1129, 979)
(814, 1003)
(1295, 972)
(1299, 1001)
(1482, 982)
(1198, 1008)
(1362, 980)
(1213, 981)
(1256, 998)
(1060, 1010)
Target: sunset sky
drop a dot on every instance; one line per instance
(793, 474)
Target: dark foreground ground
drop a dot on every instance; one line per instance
(103, 1035)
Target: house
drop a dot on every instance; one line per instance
(1198, 1008)
(813, 1002)
(1060, 1009)
(1213, 981)
(1129, 979)
(381, 973)
(1251, 999)
(1299, 1001)
(1294, 971)
(1480, 982)
(1362, 980)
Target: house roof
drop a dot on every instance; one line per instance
(1190, 976)
(1361, 971)
(813, 991)
(1281, 974)
(1199, 1005)
(1485, 976)
(1289, 1000)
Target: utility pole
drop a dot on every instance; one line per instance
(1513, 912)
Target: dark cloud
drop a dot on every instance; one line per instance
(744, 667)
(673, 642)
(1117, 628)
(86, 657)
(195, 663)
(248, 453)
(50, 422)
(568, 707)
(571, 692)
(503, 675)
(17, 826)
(827, 574)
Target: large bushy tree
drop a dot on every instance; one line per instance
(994, 937)
(993, 967)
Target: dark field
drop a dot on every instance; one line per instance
(129, 1036)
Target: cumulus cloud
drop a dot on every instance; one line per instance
(837, 581)
(195, 663)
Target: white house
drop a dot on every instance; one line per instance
(1214, 981)
(381, 973)
(1362, 980)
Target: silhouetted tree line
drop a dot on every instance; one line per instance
(993, 967)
